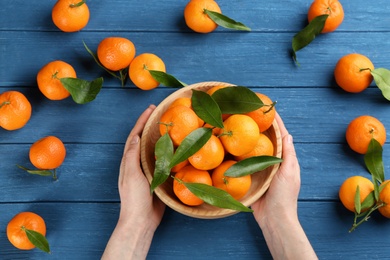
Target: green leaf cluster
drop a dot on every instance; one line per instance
(210, 109)
(374, 163)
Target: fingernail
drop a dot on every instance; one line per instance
(289, 139)
(134, 140)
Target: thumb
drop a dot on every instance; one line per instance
(131, 156)
(290, 163)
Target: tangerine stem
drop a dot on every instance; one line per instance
(271, 107)
(5, 103)
(363, 69)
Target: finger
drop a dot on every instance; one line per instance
(282, 127)
(139, 125)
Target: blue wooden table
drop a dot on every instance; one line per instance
(81, 208)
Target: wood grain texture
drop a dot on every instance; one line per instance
(82, 207)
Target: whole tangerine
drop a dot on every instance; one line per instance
(47, 153)
(348, 189)
(116, 53)
(16, 233)
(332, 8)
(70, 15)
(15, 110)
(361, 130)
(353, 72)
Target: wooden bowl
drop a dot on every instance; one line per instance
(260, 180)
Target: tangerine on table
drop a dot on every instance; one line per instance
(331, 7)
(239, 134)
(48, 79)
(209, 156)
(15, 110)
(361, 130)
(353, 72)
(139, 70)
(70, 15)
(263, 147)
(265, 115)
(196, 18)
(384, 196)
(16, 233)
(47, 153)
(348, 188)
(191, 175)
(178, 121)
(237, 187)
(115, 53)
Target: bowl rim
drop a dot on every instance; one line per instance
(177, 205)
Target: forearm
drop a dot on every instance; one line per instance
(286, 239)
(128, 242)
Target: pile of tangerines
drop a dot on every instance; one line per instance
(236, 138)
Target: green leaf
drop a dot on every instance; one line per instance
(308, 34)
(369, 201)
(373, 160)
(82, 91)
(166, 79)
(237, 100)
(216, 197)
(77, 4)
(226, 22)
(191, 144)
(358, 206)
(37, 239)
(251, 165)
(164, 152)
(206, 108)
(382, 80)
(37, 172)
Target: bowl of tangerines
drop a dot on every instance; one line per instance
(211, 149)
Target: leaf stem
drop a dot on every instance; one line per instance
(366, 217)
(5, 103)
(78, 4)
(55, 174)
(270, 107)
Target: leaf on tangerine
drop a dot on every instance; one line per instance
(190, 145)
(82, 91)
(358, 205)
(38, 240)
(163, 152)
(226, 22)
(382, 80)
(166, 79)
(308, 34)
(216, 197)
(373, 160)
(251, 165)
(206, 108)
(237, 100)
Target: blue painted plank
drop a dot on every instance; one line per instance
(84, 233)
(251, 59)
(120, 15)
(312, 115)
(90, 173)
